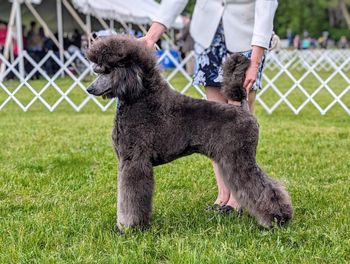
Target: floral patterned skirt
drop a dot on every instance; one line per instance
(208, 62)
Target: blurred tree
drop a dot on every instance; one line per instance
(190, 6)
(314, 16)
(343, 5)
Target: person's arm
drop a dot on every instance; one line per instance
(252, 71)
(168, 12)
(263, 27)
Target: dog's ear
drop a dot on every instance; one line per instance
(128, 83)
(234, 69)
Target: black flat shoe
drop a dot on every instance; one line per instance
(213, 208)
(228, 210)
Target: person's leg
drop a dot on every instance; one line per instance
(209, 75)
(213, 94)
(224, 197)
(251, 103)
(190, 64)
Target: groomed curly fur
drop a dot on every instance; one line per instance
(234, 69)
(110, 54)
(155, 125)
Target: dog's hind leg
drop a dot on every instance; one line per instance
(135, 190)
(265, 198)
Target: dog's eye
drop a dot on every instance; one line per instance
(101, 69)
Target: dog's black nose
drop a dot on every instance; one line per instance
(91, 90)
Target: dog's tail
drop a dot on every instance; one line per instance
(234, 69)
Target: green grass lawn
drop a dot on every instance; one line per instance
(58, 193)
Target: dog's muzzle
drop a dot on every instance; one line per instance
(100, 86)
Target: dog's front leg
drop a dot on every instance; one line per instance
(135, 190)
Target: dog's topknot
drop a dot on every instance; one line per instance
(119, 51)
(234, 69)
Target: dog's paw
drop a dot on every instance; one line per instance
(265, 223)
(125, 229)
(274, 221)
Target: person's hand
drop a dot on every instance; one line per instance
(252, 71)
(250, 77)
(147, 41)
(153, 35)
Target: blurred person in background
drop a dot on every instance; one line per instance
(343, 43)
(296, 42)
(186, 44)
(76, 39)
(31, 35)
(324, 40)
(34, 45)
(305, 43)
(3, 33)
(290, 38)
(275, 43)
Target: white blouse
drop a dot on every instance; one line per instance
(246, 23)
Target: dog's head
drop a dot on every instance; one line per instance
(122, 63)
(234, 69)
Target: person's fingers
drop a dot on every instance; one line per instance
(246, 83)
(247, 89)
(249, 86)
(250, 79)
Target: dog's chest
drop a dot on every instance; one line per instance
(116, 135)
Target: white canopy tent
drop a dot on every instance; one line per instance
(134, 11)
(53, 17)
(138, 12)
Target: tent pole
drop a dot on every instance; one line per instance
(143, 29)
(111, 24)
(76, 17)
(89, 36)
(60, 31)
(103, 23)
(12, 55)
(88, 27)
(42, 23)
(19, 37)
(172, 35)
(9, 27)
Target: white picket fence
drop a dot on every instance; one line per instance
(320, 65)
(324, 67)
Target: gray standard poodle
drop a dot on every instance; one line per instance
(155, 124)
